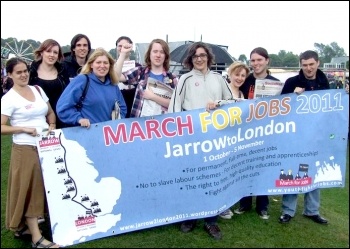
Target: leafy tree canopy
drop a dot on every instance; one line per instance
(282, 59)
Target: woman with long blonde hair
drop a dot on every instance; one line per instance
(102, 93)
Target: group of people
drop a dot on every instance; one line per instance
(45, 96)
(27, 109)
(242, 85)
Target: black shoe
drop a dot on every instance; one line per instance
(317, 218)
(188, 226)
(285, 218)
(213, 230)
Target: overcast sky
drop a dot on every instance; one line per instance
(242, 26)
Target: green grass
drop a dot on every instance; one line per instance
(243, 231)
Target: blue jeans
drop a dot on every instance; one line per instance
(311, 203)
(262, 202)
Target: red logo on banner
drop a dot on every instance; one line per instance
(85, 221)
(49, 142)
(293, 183)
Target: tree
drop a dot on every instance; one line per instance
(291, 60)
(34, 44)
(275, 60)
(66, 50)
(288, 59)
(113, 52)
(243, 58)
(284, 59)
(327, 52)
(282, 54)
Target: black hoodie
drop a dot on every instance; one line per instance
(71, 66)
(320, 83)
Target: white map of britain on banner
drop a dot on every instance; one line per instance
(80, 192)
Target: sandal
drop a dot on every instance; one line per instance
(40, 245)
(41, 220)
(23, 233)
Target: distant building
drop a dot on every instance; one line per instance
(336, 69)
(337, 63)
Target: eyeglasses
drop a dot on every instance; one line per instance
(202, 56)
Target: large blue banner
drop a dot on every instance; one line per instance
(125, 175)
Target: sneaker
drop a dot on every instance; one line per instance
(188, 226)
(264, 215)
(227, 214)
(240, 210)
(41, 220)
(213, 230)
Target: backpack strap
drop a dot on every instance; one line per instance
(171, 76)
(79, 105)
(38, 89)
